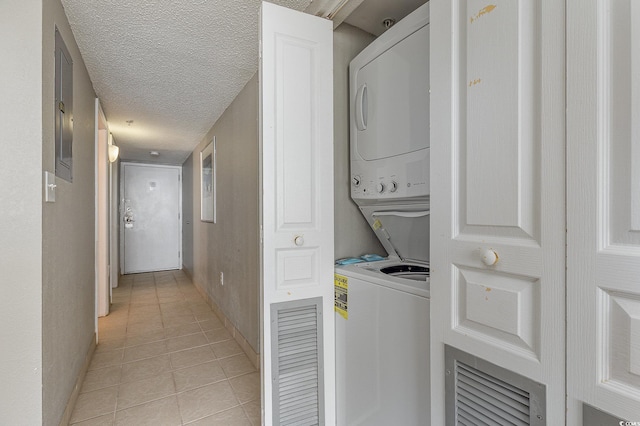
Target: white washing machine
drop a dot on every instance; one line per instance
(382, 325)
(382, 345)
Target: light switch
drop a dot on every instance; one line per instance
(49, 187)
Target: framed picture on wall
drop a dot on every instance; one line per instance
(208, 183)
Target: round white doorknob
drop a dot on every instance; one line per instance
(489, 257)
(299, 240)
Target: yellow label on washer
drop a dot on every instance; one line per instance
(340, 292)
(377, 225)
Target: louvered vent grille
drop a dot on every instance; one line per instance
(482, 399)
(297, 366)
(482, 394)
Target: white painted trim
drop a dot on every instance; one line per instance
(95, 209)
(114, 215)
(101, 183)
(335, 10)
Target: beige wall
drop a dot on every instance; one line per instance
(68, 281)
(46, 256)
(231, 244)
(353, 236)
(188, 214)
(21, 212)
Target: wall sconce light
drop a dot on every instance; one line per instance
(114, 150)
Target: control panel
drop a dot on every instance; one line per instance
(386, 183)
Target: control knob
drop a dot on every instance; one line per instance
(393, 187)
(356, 180)
(380, 188)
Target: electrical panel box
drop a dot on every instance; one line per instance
(63, 110)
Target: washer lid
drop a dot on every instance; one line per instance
(403, 230)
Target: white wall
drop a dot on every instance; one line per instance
(21, 212)
(353, 236)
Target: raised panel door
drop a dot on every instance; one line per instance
(497, 132)
(296, 137)
(603, 258)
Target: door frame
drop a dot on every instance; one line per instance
(114, 222)
(102, 209)
(122, 168)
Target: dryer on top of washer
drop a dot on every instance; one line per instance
(389, 114)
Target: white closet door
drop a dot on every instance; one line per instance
(498, 179)
(603, 129)
(296, 129)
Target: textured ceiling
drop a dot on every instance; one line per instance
(171, 66)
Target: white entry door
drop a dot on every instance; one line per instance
(296, 130)
(498, 206)
(150, 205)
(603, 229)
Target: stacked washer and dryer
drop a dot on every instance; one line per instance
(382, 332)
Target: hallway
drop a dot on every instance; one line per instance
(165, 358)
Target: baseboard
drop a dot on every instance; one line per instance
(66, 416)
(244, 344)
(188, 273)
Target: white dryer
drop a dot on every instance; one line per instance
(389, 114)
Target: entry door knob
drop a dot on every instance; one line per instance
(299, 240)
(489, 257)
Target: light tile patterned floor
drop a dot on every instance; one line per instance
(164, 358)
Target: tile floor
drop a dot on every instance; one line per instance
(164, 358)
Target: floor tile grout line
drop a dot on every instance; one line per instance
(175, 393)
(123, 362)
(215, 414)
(172, 369)
(245, 412)
(94, 417)
(176, 299)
